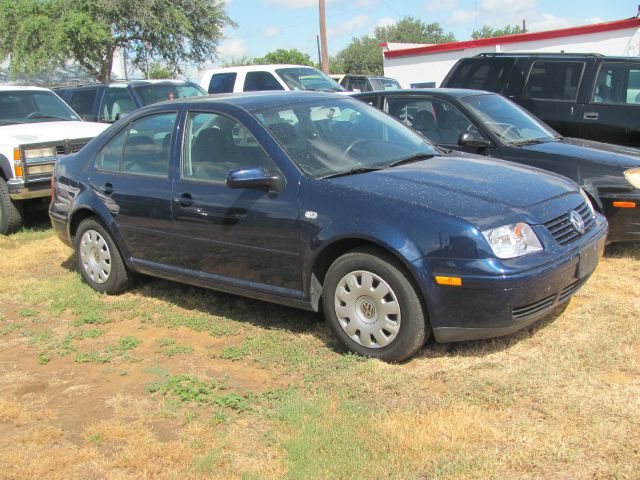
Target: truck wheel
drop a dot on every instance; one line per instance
(10, 211)
(99, 259)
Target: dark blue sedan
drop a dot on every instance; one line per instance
(310, 200)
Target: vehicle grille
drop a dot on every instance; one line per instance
(71, 147)
(563, 230)
(549, 302)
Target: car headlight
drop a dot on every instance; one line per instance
(512, 241)
(42, 152)
(633, 177)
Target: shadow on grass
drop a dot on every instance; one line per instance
(266, 315)
(36, 216)
(623, 250)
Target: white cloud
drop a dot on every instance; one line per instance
(547, 21)
(271, 32)
(348, 26)
(435, 5)
(385, 22)
(295, 4)
(462, 16)
(233, 48)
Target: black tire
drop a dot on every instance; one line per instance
(412, 330)
(11, 218)
(93, 242)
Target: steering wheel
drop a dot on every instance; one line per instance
(357, 141)
(510, 128)
(33, 115)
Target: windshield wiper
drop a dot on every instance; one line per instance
(411, 159)
(44, 115)
(533, 141)
(352, 172)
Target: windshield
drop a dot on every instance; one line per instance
(507, 121)
(384, 84)
(31, 106)
(331, 136)
(307, 78)
(160, 92)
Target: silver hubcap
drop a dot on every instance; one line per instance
(95, 256)
(367, 309)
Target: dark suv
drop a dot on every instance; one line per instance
(364, 83)
(107, 102)
(579, 95)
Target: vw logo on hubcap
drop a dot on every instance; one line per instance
(368, 309)
(576, 221)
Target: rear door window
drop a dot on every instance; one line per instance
(551, 80)
(117, 102)
(617, 84)
(222, 82)
(258, 81)
(82, 101)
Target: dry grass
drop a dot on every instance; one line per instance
(78, 370)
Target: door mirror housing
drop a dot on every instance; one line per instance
(473, 141)
(255, 177)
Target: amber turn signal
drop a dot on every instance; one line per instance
(451, 281)
(624, 204)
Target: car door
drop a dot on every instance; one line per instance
(243, 237)
(551, 93)
(612, 114)
(132, 179)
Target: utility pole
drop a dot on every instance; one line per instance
(323, 38)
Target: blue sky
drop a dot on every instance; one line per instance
(265, 25)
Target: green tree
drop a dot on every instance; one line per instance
(292, 56)
(158, 71)
(39, 35)
(363, 54)
(490, 32)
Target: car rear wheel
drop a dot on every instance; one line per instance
(99, 259)
(373, 307)
(10, 211)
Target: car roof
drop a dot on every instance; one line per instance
(21, 88)
(254, 68)
(126, 83)
(550, 55)
(250, 100)
(415, 92)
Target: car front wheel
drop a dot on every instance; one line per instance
(99, 259)
(372, 306)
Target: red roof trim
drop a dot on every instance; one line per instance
(520, 37)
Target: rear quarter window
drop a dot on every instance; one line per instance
(480, 74)
(222, 82)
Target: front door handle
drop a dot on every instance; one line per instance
(591, 115)
(185, 200)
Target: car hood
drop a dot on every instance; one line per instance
(603, 153)
(474, 188)
(40, 132)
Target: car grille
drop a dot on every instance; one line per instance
(71, 147)
(547, 303)
(563, 230)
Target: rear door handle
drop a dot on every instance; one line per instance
(107, 188)
(591, 115)
(185, 200)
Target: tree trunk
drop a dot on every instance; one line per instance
(107, 65)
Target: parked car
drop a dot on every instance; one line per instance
(489, 124)
(253, 78)
(36, 128)
(365, 83)
(107, 102)
(580, 95)
(301, 198)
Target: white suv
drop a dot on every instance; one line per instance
(253, 78)
(36, 127)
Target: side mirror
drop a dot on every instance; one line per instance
(254, 178)
(473, 141)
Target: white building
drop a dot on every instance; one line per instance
(427, 65)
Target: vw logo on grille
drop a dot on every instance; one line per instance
(576, 221)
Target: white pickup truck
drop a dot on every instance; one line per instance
(36, 127)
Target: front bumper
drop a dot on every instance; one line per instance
(492, 306)
(19, 190)
(624, 223)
